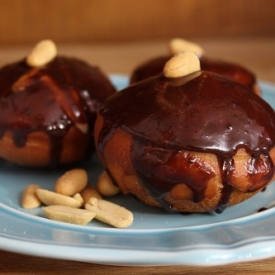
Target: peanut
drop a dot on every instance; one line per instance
(178, 45)
(29, 199)
(72, 182)
(89, 192)
(110, 213)
(105, 186)
(68, 214)
(181, 64)
(44, 52)
(52, 198)
(78, 197)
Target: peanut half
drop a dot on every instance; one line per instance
(68, 214)
(110, 213)
(105, 186)
(72, 182)
(181, 64)
(44, 52)
(78, 197)
(29, 199)
(52, 198)
(178, 45)
(88, 193)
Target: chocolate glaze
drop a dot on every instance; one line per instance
(233, 71)
(50, 99)
(201, 112)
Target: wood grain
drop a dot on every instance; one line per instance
(85, 21)
(12, 263)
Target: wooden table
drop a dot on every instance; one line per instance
(257, 54)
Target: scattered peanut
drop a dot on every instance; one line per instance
(44, 52)
(29, 199)
(105, 186)
(181, 64)
(72, 182)
(74, 193)
(178, 45)
(78, 197)
(68, 214)
(52, 198)
(110, 213)
(88, 193)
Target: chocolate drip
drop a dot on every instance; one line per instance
(202, 112)
(226, 168)
(50, 99)
(158, 172)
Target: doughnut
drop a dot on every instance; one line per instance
(47, 111)
(231, 70)
(199, 142)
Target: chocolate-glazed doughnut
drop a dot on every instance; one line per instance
(47, 113)
(231, 70)
(195, 143)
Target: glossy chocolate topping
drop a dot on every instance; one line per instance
(232, 71)
(50, 99)
(201, 112)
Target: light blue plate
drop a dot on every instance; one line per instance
(240, 234)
